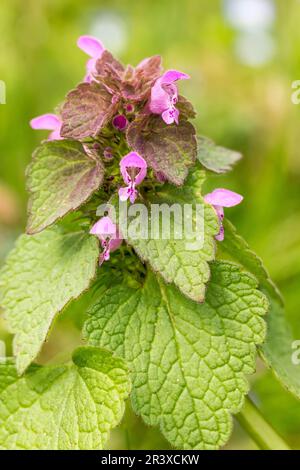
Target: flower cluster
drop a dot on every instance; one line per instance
(136, 111)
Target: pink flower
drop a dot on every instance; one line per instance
(94, 48)
(49, 122)
(133, 169)
(109, 236)
(120, 122)
(164, 96)
(219, 199)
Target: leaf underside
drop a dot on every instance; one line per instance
(63, 407)
(188, 360)
(41, 275)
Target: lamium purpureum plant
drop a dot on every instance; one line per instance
(175, 328)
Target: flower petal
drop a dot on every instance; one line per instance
(223, 197)
(164, 93)
(91, 46)
(160, 99)
(168, 116)
(133, 160)
(171, 76)
(55, 135)
(133, 196)
(220, 212)
(220, 236)
(49, 122)
(104, 228)
(115, 243)
(124, 194)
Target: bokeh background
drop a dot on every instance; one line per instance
(243, 56)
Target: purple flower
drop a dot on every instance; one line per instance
(164, 96)
(133, 169)
(94, 48)
(129, 108)
(109, 236)
(219, 199)
(120, 122)
(49, 122)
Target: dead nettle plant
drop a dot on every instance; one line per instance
(177, 330)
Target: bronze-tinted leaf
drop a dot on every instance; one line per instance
(109, 72)
(61, 177)
(169, 149)
(185, 108)
(86, 111)
(138, 82)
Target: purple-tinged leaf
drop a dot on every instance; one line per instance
(185, 108)
(168, 149)
(61, 177)
(109, 72)
(86, 111)
(138, 82)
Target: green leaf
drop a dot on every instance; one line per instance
(168, 149)
(239, 250)
(61, 177)
(280, 348)
(188, 360)
(63, 407)
(86, 111)
(182, 257)
(42, 274)
(215, 158)
(277, 351)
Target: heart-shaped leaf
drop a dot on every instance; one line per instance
(86, 111)
(61, 177)
(188, 360)
(63, 407)
(168, 149)
(41, 275)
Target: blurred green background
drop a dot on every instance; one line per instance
(243, 56)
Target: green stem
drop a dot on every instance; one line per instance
(263, 434)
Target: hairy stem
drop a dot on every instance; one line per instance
(263, 434)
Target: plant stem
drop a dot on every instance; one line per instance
(263, 434)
